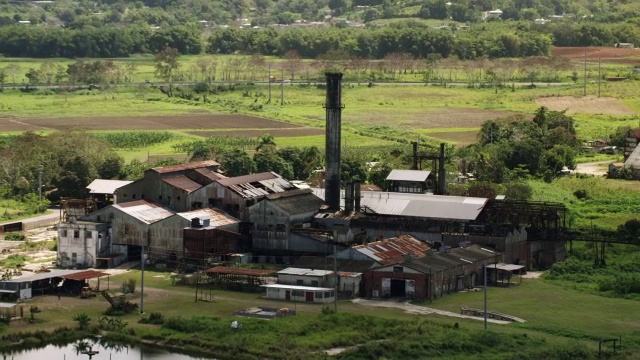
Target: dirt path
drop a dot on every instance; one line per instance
(597, 168)
(422, 310)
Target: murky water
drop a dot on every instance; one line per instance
(94, 349)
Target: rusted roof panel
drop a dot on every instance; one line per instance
(144, 211)
(187, 166)
(393, 250)
(296, 201)
(183, 183)
(85, 275)
(204, 176)
(217, 217)
(239, 271)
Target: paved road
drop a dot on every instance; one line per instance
(415, 309)
(53, 213)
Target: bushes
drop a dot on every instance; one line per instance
(14, 236)
(154, 318)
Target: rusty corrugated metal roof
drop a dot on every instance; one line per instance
(183, 183)
(217, 217)
(187, 166)
(85, 275)
(257, 185)
(205, 176)
(393, 250)
(239, 271)
(144, 210)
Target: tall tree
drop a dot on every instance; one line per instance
(167, 64)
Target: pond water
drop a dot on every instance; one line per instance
(105, 351)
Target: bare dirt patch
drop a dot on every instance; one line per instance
(606, 54)
(165, 122)
(458, 137)
(436, 118)
(295, 132)
(586, 105)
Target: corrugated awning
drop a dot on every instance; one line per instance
(505, 267)
(239, 271)
(85, 275)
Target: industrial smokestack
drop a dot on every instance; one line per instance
(442, 188)
(333, 109)
(348, 197)
(357, 195)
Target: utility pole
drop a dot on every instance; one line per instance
(584, 91)
(39, 186)
(485, 295)
(599, 74)
(282, 89)
(335, 275)
(269, 83)
(142, 261)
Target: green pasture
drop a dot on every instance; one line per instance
(608, 203)
(556, 311)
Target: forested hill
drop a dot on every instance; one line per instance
(356, 28)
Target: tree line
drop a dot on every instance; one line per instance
(101, 42)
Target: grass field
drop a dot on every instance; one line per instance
(556, 316)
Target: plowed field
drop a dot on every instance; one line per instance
(586, 105)
(213, 121)
(606, 54)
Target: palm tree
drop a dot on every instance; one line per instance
(265, 141)
(83, 320)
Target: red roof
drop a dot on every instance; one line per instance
(247, 179)
(187, 166)
(393, 250)
(370, 187)
(85, 275)
(634, 132)
(239, 271)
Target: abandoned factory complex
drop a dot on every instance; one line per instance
(413, 241)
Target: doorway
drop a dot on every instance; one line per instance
(308, 296)
(287, 295)
(398, 288)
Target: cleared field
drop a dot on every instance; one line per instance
(433, 118)
(201, 121)
(587, 105)
(458, 137)
(604, 53)
(297, 131)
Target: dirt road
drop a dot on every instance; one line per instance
(596, 168)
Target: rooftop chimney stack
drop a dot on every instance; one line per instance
(333, 109)
(442, 173)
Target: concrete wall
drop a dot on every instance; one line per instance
(86, 241)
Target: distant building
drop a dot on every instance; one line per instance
(410, 181)
(631, 141)
(625, 45)
(308, 285)
(633, 163)
(492, 14)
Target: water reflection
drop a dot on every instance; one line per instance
(96, 349)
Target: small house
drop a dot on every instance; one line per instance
(410, 181)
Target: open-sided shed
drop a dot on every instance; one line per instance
(242, 279)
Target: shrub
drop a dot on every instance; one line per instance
(154, 318)
(14, 236)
